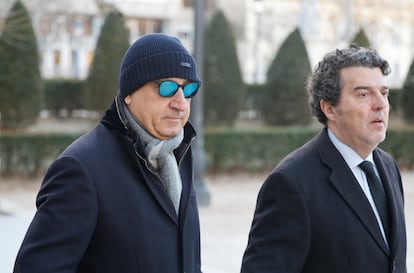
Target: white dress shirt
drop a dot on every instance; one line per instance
(352, 159)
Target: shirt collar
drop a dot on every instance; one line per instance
(351, 157)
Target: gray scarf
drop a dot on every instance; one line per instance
(160, 156)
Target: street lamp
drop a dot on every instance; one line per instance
(197, 108)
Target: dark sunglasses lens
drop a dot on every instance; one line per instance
(190, 89)
(168, 88)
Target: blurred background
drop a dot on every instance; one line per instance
(59, 64)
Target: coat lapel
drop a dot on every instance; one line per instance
(345, 183)
(164, 200)
(154, 185)
(162, 197)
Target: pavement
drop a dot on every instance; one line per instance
(225, 223)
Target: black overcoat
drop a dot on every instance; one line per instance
(313, 217)
(101, 209)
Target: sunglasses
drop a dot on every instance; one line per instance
(169, 88)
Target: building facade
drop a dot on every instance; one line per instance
(325, 25)
(67, 30)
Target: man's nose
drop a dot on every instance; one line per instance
(178, 101)
(381, 100)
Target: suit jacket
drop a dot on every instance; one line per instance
(102, 209)
(313, 217)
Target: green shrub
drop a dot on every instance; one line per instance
(285, 101)
(395, 101)
(20, 79)
(63, 95)
(257, 151)
(224, 90)
(252, 151)
(407, 96)
(30, 155)
(361, 39)
(102, 83)
(400, 144)
(227, 150)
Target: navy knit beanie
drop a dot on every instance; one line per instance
(153, 57)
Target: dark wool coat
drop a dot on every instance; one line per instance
(313, 217)
(101, 209)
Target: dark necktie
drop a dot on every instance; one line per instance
(378, 194)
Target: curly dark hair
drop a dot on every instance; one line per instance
(324, 83)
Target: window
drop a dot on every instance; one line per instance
(75, 65)
(44, 24)
(89, 58)
(188, 3)
(149, 25)
(74, 57)
(56, 57)
(88, 26)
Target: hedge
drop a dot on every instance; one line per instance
(251, 151)
(226, 150)
(64, 95)
(29, 155)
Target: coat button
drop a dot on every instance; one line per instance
(394, 266)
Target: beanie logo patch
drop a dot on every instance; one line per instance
(185, 64)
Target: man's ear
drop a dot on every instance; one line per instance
(328, 109)
(127, 100)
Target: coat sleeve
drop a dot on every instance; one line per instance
(279, 238)
(64, 222)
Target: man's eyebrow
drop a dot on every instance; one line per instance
(361, 87)
(369, 87)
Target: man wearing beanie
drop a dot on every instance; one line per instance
(121, 199)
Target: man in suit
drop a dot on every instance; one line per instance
(316, 211)
(121, 197)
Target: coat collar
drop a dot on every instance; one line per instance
(114, 120)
